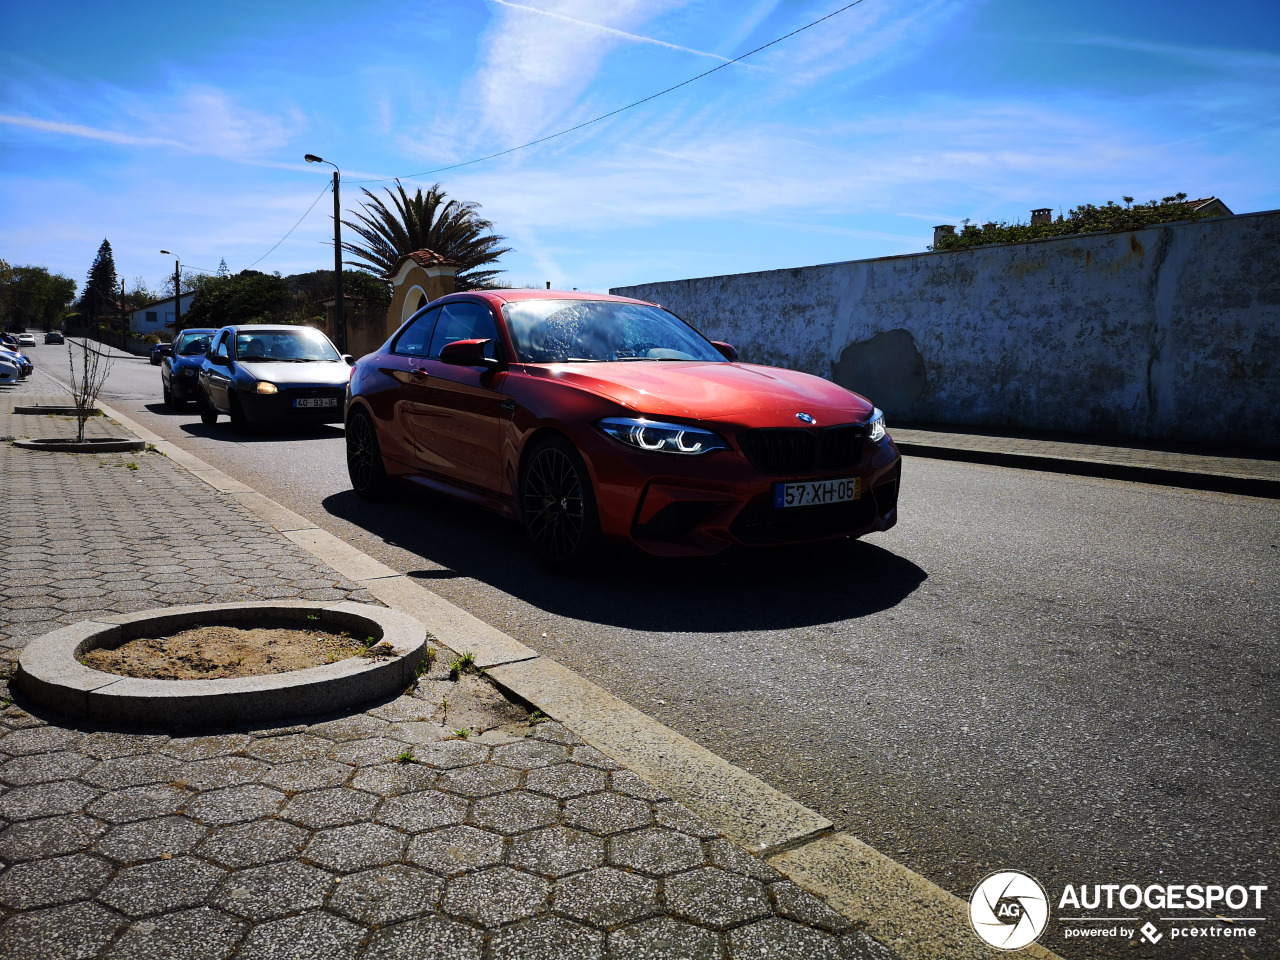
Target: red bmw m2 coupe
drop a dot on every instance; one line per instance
(590, 418)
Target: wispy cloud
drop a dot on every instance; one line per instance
(1221, 58)
(87, 133)
(600, 28)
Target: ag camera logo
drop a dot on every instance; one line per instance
(1009, 910)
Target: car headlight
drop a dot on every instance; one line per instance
(264, 387)
(189, 371)
(875, 429)
(657, 437)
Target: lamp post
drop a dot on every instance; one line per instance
(177, 292)
(339, 305)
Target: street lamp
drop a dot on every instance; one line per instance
(177, 292)
(339, 311)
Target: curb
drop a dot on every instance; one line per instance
(1085, 467)
(893, 903)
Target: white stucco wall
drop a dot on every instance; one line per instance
(164, 321)
(1171, 332)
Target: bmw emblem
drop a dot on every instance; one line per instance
(804, 418)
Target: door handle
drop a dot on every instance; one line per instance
(418, 373)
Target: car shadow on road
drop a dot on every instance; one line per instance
(755, 590)
(268, 433)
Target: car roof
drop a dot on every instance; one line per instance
(513, 295)
(200, 330)
(270, 327)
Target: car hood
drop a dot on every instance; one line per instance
(737, 393)
(325, 372)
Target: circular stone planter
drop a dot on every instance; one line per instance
(96, 445)
(53, 409)
(50, 674)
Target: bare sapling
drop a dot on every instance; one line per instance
(95, 367)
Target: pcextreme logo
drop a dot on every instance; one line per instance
(1009, 909)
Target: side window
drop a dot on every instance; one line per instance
(416, 338)
(465, 320)
(222, 349)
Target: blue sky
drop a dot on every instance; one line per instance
(182, 127)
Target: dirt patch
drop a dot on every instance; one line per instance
(218, 652)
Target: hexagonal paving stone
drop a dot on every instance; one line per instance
(366, 753)
(44, 883)
(42, 768)
(592, 757)
(426, 810)
(607, 813)
(624, 781)
(431, 939)
(261, 893)
(495, 897)
(713, 898)
(355, 847)
(390, 779)
(235, 805)
(131, 771)
(450, 754)
(306, 775)
(553, 732)
(220, 772)
(481, 780)
(292, 747)
(547, 938)
(77, 932)
(677, 817)
(46, 739)
(556, 851)
(565, 780)
(253, 844)
(45, 800)
(729, 856)
(139, 803)
(529, 754)
(50, 837)
(664, 939)
(150, 839)
(312, 936)
(656, 851)
(161, 886)
(605, 897)
(515, 812)
(783, 940)
(454, 850)
(334, 807)
(358, 726)
(796, 904)
(199, 934)
(106, 744)
(205, 748)
(387, 894)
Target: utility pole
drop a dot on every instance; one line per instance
(339, 304)
(177, 291)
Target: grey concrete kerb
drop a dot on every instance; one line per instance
(50, 674)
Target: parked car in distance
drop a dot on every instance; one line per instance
(54, 336)
(180, 370)
(26, 339)
(591, 419)
(261, 373)
(18, 359)
(9, 372)
(8, 340)
(159, 351)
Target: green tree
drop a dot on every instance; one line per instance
(32, 296)
(101, 284)
(246, 297)
(426, 221)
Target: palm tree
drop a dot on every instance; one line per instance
(426, 221)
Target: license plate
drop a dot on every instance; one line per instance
(814, 492)
(316, 402)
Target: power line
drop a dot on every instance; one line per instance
(614, 113)
(291, 229)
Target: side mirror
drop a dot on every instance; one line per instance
(351, 361)
(219, 361)
(728, 349)
(467, 353)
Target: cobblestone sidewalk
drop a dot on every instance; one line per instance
(370, 835)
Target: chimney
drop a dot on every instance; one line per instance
(945, 230)
(1042, 215)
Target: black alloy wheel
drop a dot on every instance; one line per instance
(364, 458)
(559, 506)
(239, 422)
(208, 415)
(168, 398)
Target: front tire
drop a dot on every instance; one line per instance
(208, 415)
(559, 506)
(364, 458)
(239, 422)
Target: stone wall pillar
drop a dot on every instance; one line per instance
(419, 278)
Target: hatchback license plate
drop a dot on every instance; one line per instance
(814, 492)
(316, 402)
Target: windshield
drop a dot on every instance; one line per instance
(194, 344)
(298, 346)
(557, 331)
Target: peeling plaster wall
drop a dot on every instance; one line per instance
(1169, 333)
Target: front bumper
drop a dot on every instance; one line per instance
(280, 407)
(699, 506)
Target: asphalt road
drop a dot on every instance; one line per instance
(1070, 676)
